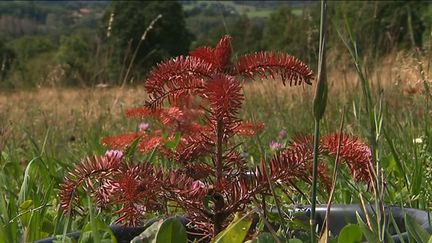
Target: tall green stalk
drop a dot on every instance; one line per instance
(375, 125)
(314, 182)
(320, 101)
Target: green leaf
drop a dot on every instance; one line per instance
(351, 233)
(320, 99)
(171, 230)
(395, 155)
(206, 202)
(173, 144)
(151, 155)
(25, 212)
(104, 231)
(415, 231)
(3, 157)
(61, 239)
(25, 184)
(295, 241)
(396, 229)
(264, 237)
(149, 234)
(236, 231)
(47, 225)
(370, 235)
(417, 178)
(132, 148)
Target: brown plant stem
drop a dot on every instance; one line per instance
(219, 165)
(217, 198)
(219, 214)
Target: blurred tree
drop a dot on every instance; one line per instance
(77, 55)
(378, 28)
(30, 46)
(296, 35)
(7, 57)
(427, 22)
(33, 54)
(246, 33)
(382, 26)
(169, 37)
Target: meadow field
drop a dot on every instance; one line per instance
(46, 131)
(195, 144)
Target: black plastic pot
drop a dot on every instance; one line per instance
(122, 233)
(340, 215)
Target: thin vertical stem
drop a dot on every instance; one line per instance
(320, 101)
(94, 229)
(270, 183)
(335, 175)
(143, 37)
(314, 182)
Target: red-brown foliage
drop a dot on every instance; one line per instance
(219, 57)
(265, 64)
(204, 97)
(84, 174)
(355, 153)
(137, 188)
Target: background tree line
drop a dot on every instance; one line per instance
(58, 43)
